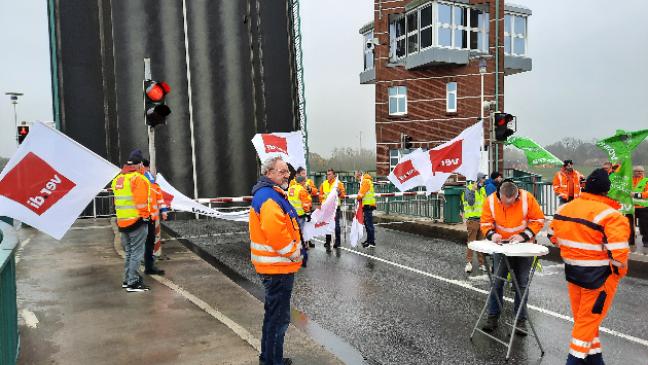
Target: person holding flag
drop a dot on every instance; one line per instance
(158, 210)
(309, 185)
(131, 190)
(567, 182)
(325, 189)
(367, 199)
(640, 198)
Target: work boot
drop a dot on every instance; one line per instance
(365, 244)
(521, 328)
(154, 271)
(336, 245)
(286, 361)
(491, 324)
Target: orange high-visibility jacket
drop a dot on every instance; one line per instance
(365, 186)
(310, 184)
(275, 244)
(157, 201)
(562, 180)
(139, 186)
(523, 217)
(300, 199)
(644, 193)
(593, 239)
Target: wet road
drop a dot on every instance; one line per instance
(408, 301)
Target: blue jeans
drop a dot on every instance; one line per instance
(521, 268)
(367, 212)
(133, 244)
(338, 215)
(278, 289)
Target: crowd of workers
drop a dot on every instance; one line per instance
(593, 237)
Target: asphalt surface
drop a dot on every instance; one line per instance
(408, 301)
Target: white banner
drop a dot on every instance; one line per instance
(411, 171)
(287, 145)
(323, 219)
(175, 200)
(357, 226)
(50, 180)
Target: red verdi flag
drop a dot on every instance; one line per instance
(50, 180)
(289, 146)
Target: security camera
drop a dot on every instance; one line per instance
(371, 43)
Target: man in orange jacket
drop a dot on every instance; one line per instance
(310, 185)
(567, 182)
(367, 199)
(511, 215)
(275, 250)
(131, 191)
(593, 239)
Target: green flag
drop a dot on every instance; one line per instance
(535, 154)
(619, 150)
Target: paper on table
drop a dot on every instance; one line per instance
(510, 249)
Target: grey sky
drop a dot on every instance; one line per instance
(589, 77)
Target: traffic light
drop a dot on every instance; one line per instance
(23, 131)
(502, 131)
(156, 110)
(408, 142)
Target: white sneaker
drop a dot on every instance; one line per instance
(482, 267)
(468, 268)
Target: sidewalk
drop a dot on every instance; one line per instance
(73, 310)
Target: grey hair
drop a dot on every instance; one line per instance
(508, 189)
(269, 164)
(638, 168)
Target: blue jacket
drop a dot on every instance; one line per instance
(491, 186)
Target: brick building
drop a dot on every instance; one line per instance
(424, 59)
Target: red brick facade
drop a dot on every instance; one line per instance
(427, 121)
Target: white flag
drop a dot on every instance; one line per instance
(460, 155)
(357, 226)
(323, 219)
(287, 145)
(411, 171)
(50, 180)
(175, 200)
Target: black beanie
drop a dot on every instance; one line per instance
(135, 157)
(598, 182)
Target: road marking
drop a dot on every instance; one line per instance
(235, 327)
(30, 318)
(88, 227)
(21, 247)
(467, 285)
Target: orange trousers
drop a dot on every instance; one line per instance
(589, 308)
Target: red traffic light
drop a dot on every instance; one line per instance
(23, 131)
(156, 91)
(502, 131)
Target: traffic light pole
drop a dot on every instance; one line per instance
(151, 130)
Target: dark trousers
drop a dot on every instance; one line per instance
(278, 289)
(338, 214)
(148, 247)
(631, 220)
(367, 212)
(521, 266)
(642, 218)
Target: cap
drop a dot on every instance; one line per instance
(481, 175)
(598, 182)
(135, 157)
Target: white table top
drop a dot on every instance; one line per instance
(525, 249)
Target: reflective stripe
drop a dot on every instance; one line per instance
(513, 229)
(287, 248)
(599, 217)
(485, 224)
(491, 203)
(580, 245)
(525, 206)
(596, 340)
(617, 245)
(270, 259)
(587, 263)
(578, 354)
(125, 197)
(593, 351)
(141, 206)
(120, 206)
(296, 254)
(261, 247)
(581, 343)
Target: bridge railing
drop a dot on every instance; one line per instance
(9, 336)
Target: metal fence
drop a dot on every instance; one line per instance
(102, 206)
(9, 336)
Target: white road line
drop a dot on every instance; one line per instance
(30, 318)
(88, 227)
(468, 286)
(235, 327)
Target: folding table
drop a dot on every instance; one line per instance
(507, 250)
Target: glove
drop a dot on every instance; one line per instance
(307, 217)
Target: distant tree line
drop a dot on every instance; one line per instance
(344, 159)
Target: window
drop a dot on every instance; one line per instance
(397, 100)
(394, 156)
(479, 30)
(426, 26)
(397, 38)
(412, 32)
(444, 25)
(451, 97)
(368, 50)
(515, 30)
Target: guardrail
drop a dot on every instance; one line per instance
(9, 336)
